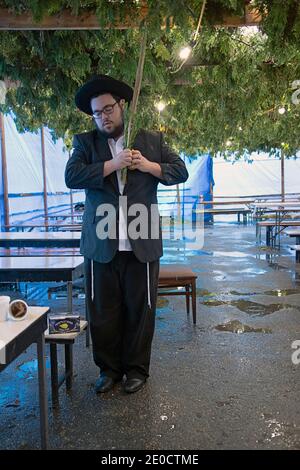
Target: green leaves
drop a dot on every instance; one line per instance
(231, 88)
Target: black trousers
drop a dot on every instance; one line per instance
(121, 321)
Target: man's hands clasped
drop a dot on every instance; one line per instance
(133, 160)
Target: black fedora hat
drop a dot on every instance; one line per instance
(101, 84)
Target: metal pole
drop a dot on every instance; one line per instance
(4, 172)
(43, 392)
(178, 201)
(71, 199)
(44, 174)
(282, 177)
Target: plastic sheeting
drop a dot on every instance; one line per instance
(1, 198)
(24, 166)
(25, 175)
(261, 177)
(200, 183)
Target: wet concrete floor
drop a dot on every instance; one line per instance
(227, 383)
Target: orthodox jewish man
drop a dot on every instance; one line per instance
(121, 265)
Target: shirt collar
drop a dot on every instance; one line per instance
(119, 141)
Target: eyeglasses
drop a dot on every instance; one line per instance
(108, 109)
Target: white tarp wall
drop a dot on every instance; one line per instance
(25, 175)
(262, 176)
(24, 166)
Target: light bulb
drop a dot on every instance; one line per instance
(281, 110)
(160, 106)
(185, 52)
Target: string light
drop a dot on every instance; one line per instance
(281, 110)
(185, 52)
(160, 106)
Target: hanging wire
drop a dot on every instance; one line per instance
(194, 41)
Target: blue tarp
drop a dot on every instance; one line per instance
(200, 183)
(1, 197)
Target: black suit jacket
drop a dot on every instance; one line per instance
(84, 170)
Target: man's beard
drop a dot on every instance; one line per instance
(116, 132)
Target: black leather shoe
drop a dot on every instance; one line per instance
(133, 385)
(104, 384)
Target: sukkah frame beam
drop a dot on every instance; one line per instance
(65, 20)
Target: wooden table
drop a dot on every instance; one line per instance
(15, 337)
(273, 230)
(64, 215)
(42, 269)
(40, 239)
(275, 204)
(228, 203)
(294, 233)
(227, 211)
(52, 227)
(281, 210)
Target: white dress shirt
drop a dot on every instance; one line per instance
(116, 146)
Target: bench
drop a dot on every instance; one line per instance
(296, 248)
(67, 339)
(172, 276)
(273, 229)
(237, 210)
(40, 252)
(40, 239)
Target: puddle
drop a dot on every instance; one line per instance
(275, 293)
(234, 292)
(214, 303)
(233, 254)
(205, 293)
(235, 326)
(282, 292)
(29, 369)
(249, 307)
(252, 271)
(278, 267)
(256, 309)
(162, 302)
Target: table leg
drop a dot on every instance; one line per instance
(268, 236)
(69, 365)
(70, 296)
(187, 298)
(194, 300)
(54, 374)
(43, 392)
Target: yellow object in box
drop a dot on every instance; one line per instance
(64, 324)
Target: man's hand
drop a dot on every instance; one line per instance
(123, 159)
(139, 162)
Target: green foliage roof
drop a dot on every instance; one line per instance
(233, 94)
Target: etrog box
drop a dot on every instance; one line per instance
(64, 324)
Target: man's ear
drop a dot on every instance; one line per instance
(122, 103)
